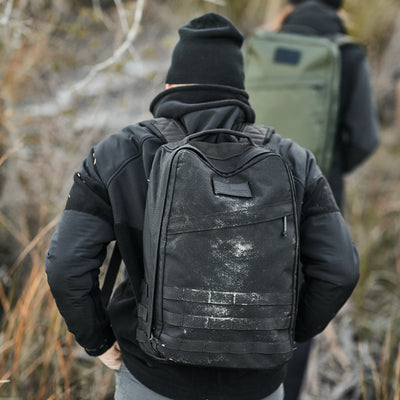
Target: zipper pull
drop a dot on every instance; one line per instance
(284, 231)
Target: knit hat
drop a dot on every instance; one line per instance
(336, 4)
(208, 52)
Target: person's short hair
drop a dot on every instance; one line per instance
(208, 52)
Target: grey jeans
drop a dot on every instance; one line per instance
(127, 387)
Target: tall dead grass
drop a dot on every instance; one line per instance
(373, 212)
(38, 357)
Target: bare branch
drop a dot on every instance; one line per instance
(35, 241)
(119, 52)
(99, 11)
(7, 13)
(18, 145)
(122, 16)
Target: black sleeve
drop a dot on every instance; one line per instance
(359, 123)
(77, 251)
(330, 261)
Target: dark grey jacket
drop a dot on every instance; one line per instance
(107, 201)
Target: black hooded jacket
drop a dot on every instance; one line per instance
(357, 133)
(107, 202)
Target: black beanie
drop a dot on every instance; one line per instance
(208, 52)
(336, 4)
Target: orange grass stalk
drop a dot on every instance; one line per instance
(397, 378)
(362, 374)
(7, 154)
(5, 304)
(64, 367)
(385, 357)
(49, 347)
(23, 310)
(377, 381)
(5, 379)
(34, 242)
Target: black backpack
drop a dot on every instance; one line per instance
(221, 251)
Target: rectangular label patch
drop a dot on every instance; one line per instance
(235, 189)
(287, 56)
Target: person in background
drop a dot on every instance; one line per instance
(357, 134)
(358, 131)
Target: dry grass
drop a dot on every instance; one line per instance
(357, 356)
(38, 358)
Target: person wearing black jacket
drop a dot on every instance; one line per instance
(205, 89)
(357, 132)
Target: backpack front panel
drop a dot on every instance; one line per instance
(225, 271)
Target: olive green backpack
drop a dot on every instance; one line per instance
(293, 81)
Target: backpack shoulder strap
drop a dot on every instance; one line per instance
(167, 129)
(342, 40)
(260, 134)
(299, 29)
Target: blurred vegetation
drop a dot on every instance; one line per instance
(371, 21)
(46, 128)
(373, 213)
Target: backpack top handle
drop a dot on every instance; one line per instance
(219, 131)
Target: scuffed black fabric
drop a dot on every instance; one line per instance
(107, 202)
(80, 198)
(357, 134)
(319, 199)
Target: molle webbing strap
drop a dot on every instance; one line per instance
(226, 323)
(142, 312)
(226, 347)
(226, 298)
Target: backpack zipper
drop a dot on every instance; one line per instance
(284, 231)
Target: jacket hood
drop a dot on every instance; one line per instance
(315, 18)
(201, 107)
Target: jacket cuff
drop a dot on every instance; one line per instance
(108, 341)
